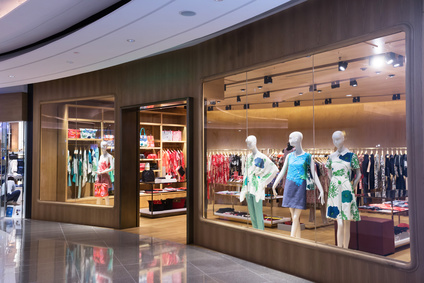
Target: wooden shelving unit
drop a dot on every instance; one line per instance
(154, 123)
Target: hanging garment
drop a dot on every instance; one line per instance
(341, 202)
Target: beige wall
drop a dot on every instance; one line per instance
(313, 26)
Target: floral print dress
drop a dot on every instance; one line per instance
(341, 202)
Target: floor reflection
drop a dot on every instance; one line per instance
(40, 251)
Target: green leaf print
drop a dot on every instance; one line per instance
(255, 182)
(332, 191)
(355, 162)
(340, 172)
(355, 212)
(344, 217)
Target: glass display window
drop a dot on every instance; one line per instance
(314, 148)
(77, 151)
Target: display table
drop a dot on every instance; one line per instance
(371, 234)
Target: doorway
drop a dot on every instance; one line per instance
(164, 171)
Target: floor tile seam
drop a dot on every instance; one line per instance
(265, 280)
(197, 268)
(227, 271)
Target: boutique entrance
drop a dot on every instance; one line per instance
(162, 165)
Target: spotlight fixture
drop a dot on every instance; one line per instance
(353, 82)
(396, 96)
(243, 89)
(267, 94)
(377, 61)
(356, 99)
(212, 102)
(297, 103)
(275, 105)
(390, 58)
(363, 69)
(300, 93)
(312, 88)
(343, 66)
(210, 108)
(246, 106)
(228, 107)
(259, 87)
(267, 80)
(391, 75)
(327, 101)
(398, 62)
(335, 84)
(319, 91)
(238, 98)
(348, 95)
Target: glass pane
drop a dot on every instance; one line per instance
(77, 148)
(360, 118)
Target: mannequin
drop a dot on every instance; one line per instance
(103, 182)
(341, 203)
(259, 171)
(295, 187)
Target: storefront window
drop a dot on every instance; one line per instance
(77, 152)
(314, 148)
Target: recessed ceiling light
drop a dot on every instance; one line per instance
(391, 75)
(319, 91)
(187, 13)
(363, 69)
(243, 89)
(259, 87)
(131, 40)
(378, 72)
(300, 93)
(348, 95)
(11, 76)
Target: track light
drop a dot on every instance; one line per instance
(356, 99)
(297, 103)
(238, 98)
(275, 105)
(266, 94)
(396, 96)
(228, 107)
(327, 101)
(246, 106)
(335, 84)
(210, 108)
(398, 62)
(353, 82)
(342, 65)
(390, 58)
(267, 80)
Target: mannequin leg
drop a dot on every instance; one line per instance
(346, 226)
(340, 233)
(323, 214)
(255, 211)
(107, 200)
(295, 230)
(312, 213)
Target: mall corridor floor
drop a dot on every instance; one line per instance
(40, 251)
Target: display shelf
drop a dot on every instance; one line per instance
(147, 213)
(146, 147)
(78, 139)
(268, 223)
(173, 141)
(150, 124)
(145, 159)
(174, 125)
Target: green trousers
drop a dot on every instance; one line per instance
(255, 211)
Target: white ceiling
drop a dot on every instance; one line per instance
(155, 25)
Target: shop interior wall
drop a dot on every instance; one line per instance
(286, 35)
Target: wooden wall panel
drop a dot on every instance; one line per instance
(313, 26)
(13, 107)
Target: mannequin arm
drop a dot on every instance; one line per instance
(280, 176)
(357, 178)
(317, 182)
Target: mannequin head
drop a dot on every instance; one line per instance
(295, 138)
(338, 139)
(103, 146)
(251, 142)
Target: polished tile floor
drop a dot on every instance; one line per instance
(40, 251)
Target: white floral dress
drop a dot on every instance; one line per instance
(341, 202)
